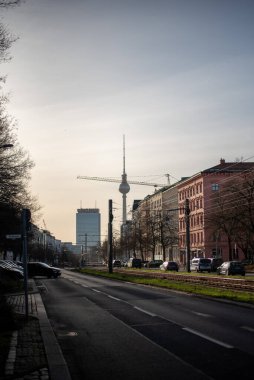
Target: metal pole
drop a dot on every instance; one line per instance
(24, 238)
(187, 222)
(110, 239)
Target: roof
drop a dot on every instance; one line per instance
(230, 167)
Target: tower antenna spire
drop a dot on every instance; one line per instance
(124, 187)
(123, 154)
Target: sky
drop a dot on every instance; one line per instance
(174, 76)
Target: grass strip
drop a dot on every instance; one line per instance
(239, 296)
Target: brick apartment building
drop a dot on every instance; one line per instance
(201, 189)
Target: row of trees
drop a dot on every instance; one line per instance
(143, 234)
(15, 163)
(232, 214)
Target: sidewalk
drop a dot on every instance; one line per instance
(34, 351)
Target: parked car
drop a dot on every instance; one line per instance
(231, 267)
(117, 263)
(154, 264)
(10, 265)
(199, 264)
(134, 263)
(15, 264)
(169, 265)
(6, 270)
(42, 269)
(215, 263)
(247, 262)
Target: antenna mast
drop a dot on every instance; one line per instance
(124, 187)
(123, 154)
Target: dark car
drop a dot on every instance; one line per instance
(117, 263)
(134, 263)
(10, 265)
(231, 267)
(42, 269)
(170, 265)
(7, 271)
(154, 263)
(215, 263)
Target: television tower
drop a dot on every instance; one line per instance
(124, 187)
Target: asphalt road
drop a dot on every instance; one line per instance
(110, 329)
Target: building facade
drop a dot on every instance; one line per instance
(206, 191)
(88, 228)
(202, 189)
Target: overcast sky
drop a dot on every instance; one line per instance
(174, 76)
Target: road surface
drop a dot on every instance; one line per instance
(116, 330)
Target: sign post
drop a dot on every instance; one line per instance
(110, 243)
(26, 217)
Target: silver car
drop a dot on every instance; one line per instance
(199, 264)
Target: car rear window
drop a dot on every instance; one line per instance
(205, 261)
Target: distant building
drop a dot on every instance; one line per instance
(88, 228)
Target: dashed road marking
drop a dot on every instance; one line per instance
(95, 290)
(251, 329)
(145, 311)
(208, 338)
(201, 314)
(114, 298)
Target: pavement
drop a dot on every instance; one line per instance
(34, 352)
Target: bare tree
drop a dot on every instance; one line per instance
(15, 163)
(233, 214)
(9, 3)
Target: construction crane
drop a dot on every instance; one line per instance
(110, 179)
(124, 187)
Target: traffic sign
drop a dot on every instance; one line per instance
(13, 236)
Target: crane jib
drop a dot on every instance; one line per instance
(108, 179)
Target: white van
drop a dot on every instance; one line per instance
(200, 265)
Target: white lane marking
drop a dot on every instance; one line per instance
(201, 314)
(247, 328)
(145, 311)
(114, 298)
(95, 290)
(84, 286)
(208, 338)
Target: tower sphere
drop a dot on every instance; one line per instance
(124, 188)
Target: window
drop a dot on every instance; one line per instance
(215, 187)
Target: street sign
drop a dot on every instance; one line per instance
(13, 236)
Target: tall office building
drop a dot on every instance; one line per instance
(88, 228)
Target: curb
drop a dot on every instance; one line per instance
(58, 368)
